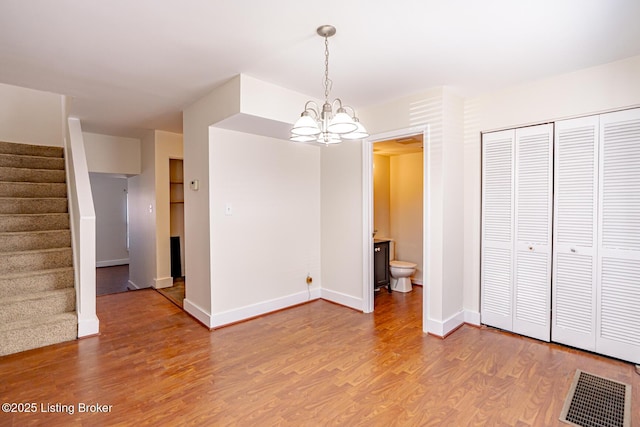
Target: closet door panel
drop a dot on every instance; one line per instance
(497, 229)
(618, 287)
(533, 217)
(575, 209)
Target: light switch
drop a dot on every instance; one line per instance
(195, 185)
(228, 209)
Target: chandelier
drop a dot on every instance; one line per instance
(320, 124)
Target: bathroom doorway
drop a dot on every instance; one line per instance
(398, 204)
(416, 139)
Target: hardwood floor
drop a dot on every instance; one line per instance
(111, 280)
(175, 293)
(313, 365)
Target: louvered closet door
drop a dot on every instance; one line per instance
(618, 288)
(574, 234)
(497, 226)
(533, 217)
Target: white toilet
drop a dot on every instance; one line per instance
(401, 272)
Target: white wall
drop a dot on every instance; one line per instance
(341, 223)
(31, 116)
(442, 111)
(262, 252)
(242, 105)
(112, 154)
(406, 209)
(219, 104)
(149, 212)
(593, 90)
(110, 204)
(142, 218)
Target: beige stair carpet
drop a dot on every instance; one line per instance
(37, 294)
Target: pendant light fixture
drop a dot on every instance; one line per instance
(320, 124)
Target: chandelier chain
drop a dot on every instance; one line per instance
(326, 70)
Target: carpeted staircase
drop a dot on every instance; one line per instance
(37, 295)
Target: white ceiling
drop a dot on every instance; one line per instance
(135, 64)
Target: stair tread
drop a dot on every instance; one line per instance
(33, 296)
(35, 273)
(35, 322)
(33, 198)
(34, 251)
(45, 170)
(26, 149)
(33, 214)
(17, 233)
(33, 159)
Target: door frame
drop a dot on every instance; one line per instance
(367, 215)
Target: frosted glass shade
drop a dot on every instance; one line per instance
(359, 133)
(305, 126)
(302, 138)
(341, 123)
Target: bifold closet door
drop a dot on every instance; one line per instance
(533, 220)
(497, 229)
(516, 230)
(574, 235)
(618, 287)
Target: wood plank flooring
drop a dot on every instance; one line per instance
(313, 365)
(111, 280)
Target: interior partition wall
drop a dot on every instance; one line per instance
(578, 282)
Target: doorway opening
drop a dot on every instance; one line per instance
(112, 232)
(176, 292)
(391, 144)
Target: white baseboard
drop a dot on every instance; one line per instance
(198, 312)
(88, 327)
(342, 299)
(258, 309)
(445, 327)
(163, 282)
(136, 287)
(112, 262)
(472, 317)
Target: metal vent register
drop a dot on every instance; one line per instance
(594, 401)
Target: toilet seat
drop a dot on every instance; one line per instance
(402, 264)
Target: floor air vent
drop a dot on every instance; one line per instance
(594, 401)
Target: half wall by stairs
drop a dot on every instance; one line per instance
(37, 295)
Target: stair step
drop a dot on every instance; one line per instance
(39, 332)
(31, 175)
(36, 281)
(44, 259)
(33, 189)
(31, 162)
(32, 240)
(34, 222)
(30, 150)
(47, 303)
(17, 205)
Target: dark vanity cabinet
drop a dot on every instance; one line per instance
(381, 264)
